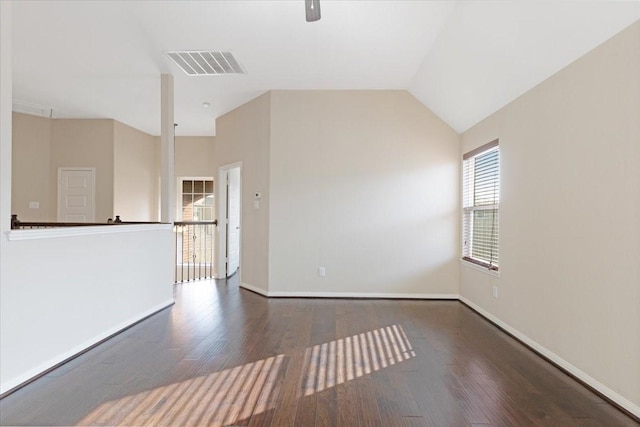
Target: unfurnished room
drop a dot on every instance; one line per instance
(320, 213)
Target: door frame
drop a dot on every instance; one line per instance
(93, 189)
(221, 215)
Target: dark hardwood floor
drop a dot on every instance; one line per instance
(226, 356)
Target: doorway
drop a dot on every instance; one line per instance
(76, 195)
(229, 214)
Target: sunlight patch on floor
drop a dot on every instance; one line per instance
(220, 398)
(346, 359)
(229, 396)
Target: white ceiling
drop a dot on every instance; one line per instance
(463, 60)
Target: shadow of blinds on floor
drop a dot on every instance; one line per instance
(234, 394)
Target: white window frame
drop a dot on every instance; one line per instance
(469, 207)
(180, 180)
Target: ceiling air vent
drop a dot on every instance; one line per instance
(206, 63)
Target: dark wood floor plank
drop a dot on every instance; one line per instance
(346, 391)
(367, 408)
(326, 408)
(347, 401)
(414, 422)
(306, 410)
(225, 356)
(436, 402)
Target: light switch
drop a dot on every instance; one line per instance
(34, 205)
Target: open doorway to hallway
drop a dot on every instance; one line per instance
(229, 214)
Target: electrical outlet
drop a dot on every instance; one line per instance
(495, 291)
(322, 271)
(34, 205)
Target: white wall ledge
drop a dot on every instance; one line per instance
(480, 268)
(50, 233)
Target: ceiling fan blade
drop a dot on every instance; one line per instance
(312, 8)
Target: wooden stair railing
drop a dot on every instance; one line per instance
(16, 224)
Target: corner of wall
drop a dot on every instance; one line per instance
(545, 257)
(244, 135)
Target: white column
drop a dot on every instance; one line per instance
(7, 326)
(6, 96)
(167, 136)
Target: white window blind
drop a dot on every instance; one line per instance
(481, 202)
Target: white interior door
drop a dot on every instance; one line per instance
(76, 194)
(233, 223)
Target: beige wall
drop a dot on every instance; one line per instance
(126, 162)
(364, 183)
(243, 136)
(570, 216)
(194, 156)
(30, 167)
(136, 174)
(84, 143)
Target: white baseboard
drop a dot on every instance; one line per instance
(45, 366)
(582, 376)
(288, 294)
(254, 289)
(372, 295)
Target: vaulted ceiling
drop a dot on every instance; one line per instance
(462, 59)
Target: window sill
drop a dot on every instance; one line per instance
(480, 268)
(49, 233)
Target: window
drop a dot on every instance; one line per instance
(480, 205)
(197, 202)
